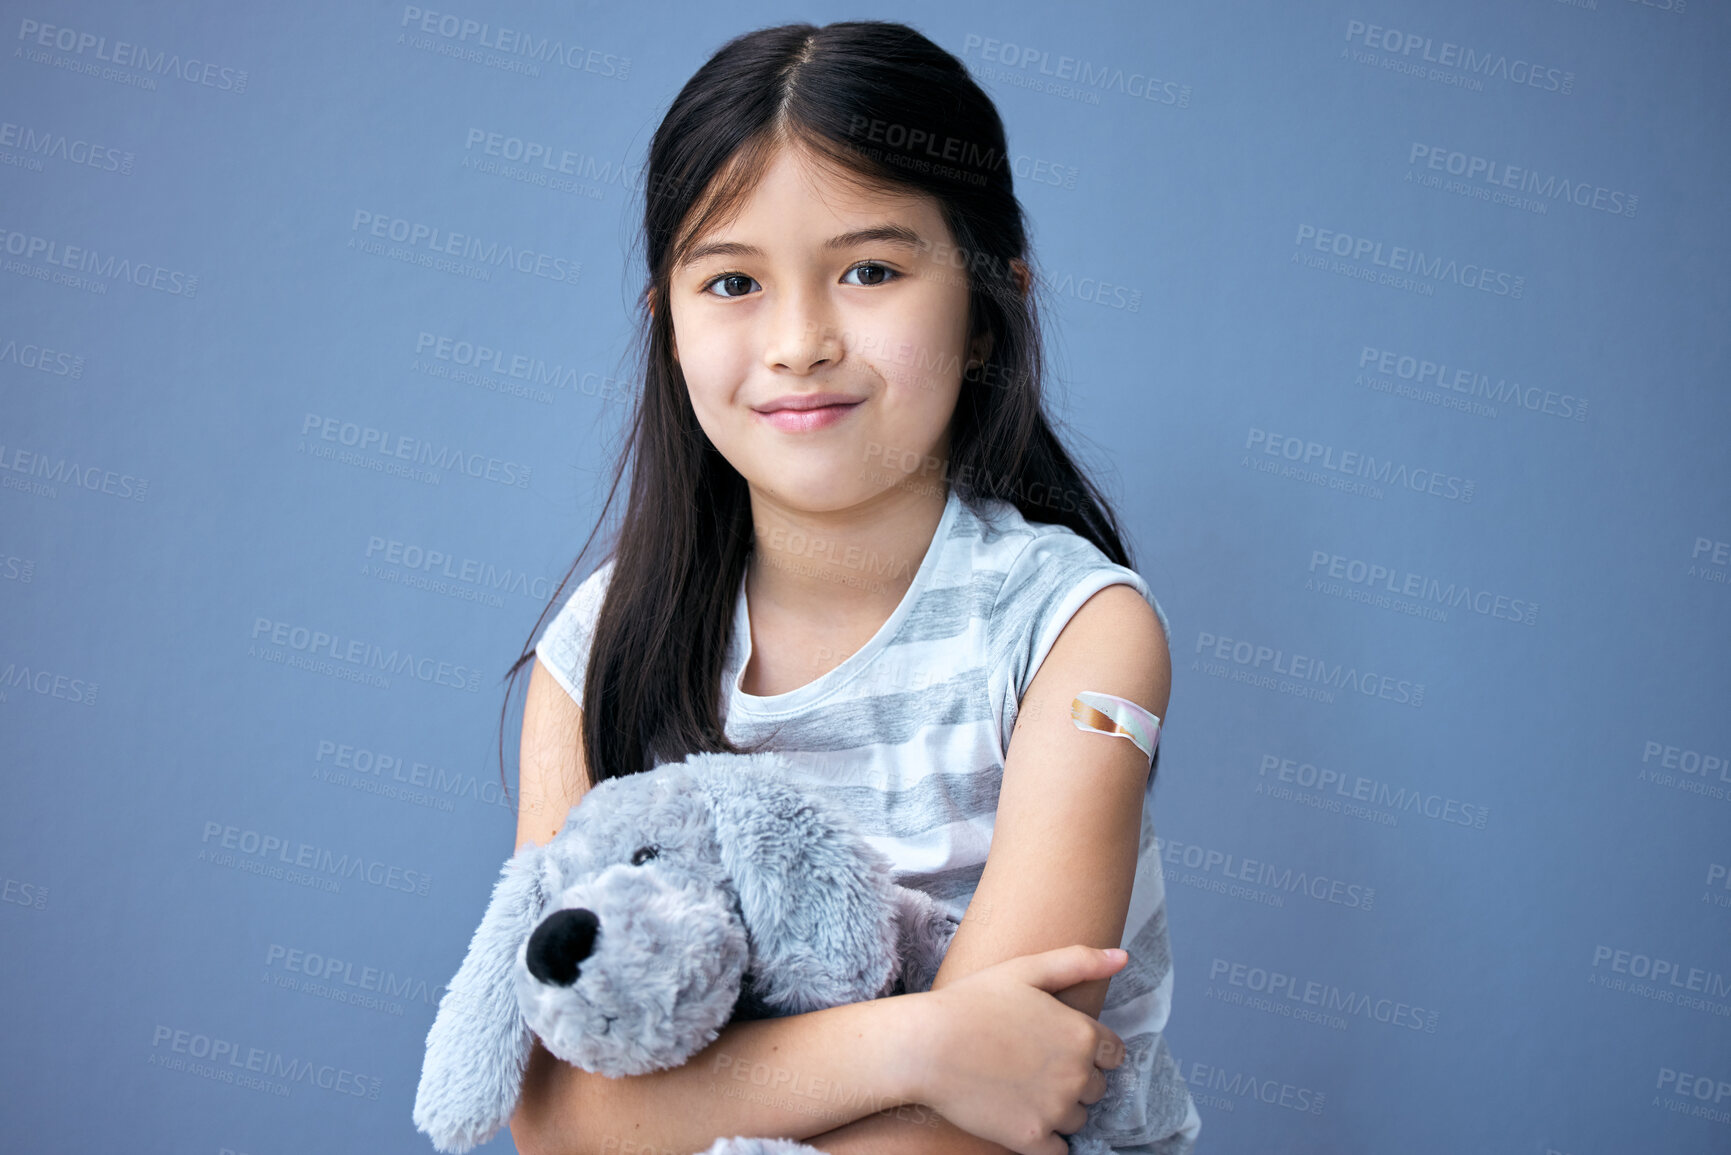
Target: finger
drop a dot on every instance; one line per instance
(1072, 1121)
(1053, 970)
(1096, 1088)
(1050, 1145)
(1108, 1047)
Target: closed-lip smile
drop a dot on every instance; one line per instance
(807, 401)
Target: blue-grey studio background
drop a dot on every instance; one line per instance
(1399, 330)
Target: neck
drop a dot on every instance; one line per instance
(840, 564)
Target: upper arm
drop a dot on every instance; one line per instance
(1064, 841)
(550, 780)
(551, 776)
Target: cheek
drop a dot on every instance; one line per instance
(715, 367)
(919, 354)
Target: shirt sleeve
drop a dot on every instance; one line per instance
(1179, 1142)
(564, 644)
(1052, 576)
(1147, 1108)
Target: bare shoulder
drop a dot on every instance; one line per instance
(1114, 637)
(551, 775)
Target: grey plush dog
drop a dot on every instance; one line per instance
(670, 902)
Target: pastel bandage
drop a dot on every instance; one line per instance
(1110, 714)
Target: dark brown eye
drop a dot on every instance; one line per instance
(643, 854)
(886, 274)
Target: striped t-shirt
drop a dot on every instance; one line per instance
(908, 735)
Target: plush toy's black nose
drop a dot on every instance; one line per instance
(564, 939)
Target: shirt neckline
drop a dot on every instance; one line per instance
(770, 705)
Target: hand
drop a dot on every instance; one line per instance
(1009, 1062)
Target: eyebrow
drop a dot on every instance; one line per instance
(885, 234)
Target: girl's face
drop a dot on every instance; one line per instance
(816, 293)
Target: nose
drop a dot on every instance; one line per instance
(803, 336)
(563, 940)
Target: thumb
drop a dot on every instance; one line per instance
(1053, 970)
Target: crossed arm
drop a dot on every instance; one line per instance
(1064, 841)
(1059, 872)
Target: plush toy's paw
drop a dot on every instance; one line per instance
(924, 932)
(744, 1145)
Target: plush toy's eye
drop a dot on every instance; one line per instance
(643, 854)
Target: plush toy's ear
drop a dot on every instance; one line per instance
(814, 895)
(479, 1044)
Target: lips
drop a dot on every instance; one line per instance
(809, 401)
(802, 418)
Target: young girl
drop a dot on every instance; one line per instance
(852, 536)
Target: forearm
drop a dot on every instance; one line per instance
(910, 1129)
(915, 1128)
(791, 1078)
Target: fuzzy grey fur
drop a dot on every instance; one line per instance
(758, 899)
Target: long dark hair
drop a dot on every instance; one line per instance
(891, 110)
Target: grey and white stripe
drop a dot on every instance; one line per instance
(908, 736)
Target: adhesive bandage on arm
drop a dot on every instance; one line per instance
(1110, 714)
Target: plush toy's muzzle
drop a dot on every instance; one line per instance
(560, 944)
(638, 968)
